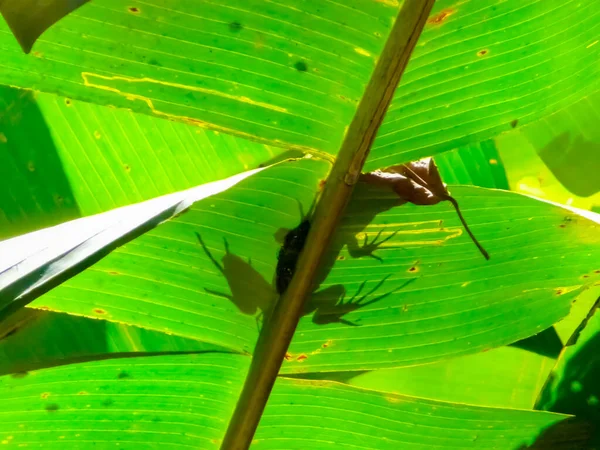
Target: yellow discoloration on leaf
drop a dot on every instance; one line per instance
(392, 3)
(3, 139)
(566, 289)
(392, 399)
(451, 233)
(362, 51)
(44, 395)
(87, 76)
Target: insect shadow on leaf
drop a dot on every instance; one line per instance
(367, 248)
(250, 292)
(329, 306)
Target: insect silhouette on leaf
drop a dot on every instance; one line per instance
(368, 248)
(419, 182)
(250, 292)
(288, 255)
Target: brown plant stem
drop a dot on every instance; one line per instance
(277, 333)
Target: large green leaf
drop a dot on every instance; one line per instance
(481, 68)
(165, 280)
(185, 402)
(166, 402)
(433, 296)
(67, 158)
(292, 73)
(307, 414)
(285, 73)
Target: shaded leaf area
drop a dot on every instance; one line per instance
(67, 158)
(482, 68)
(34, 198)
(68, 339)
(573, 387)
(566, 327)
(28, 19)
(207, 274)
(309, 414)
(477, 164)
(418, 290)
(170, 402)
(286, 73)
(505, 377)
(566, 146)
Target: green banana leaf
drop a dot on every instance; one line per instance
(423, 295)
(68, 159)
(402, 285)
(182, 401)
(292, 74)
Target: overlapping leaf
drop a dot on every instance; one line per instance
(428, 294)
(282, 72)
(481, 68)
(66, 159)
(325, 415)
(68, 339)
(167, 402)
(206, 274)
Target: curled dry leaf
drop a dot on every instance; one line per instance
(419, 182)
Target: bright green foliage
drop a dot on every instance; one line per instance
(410, 339)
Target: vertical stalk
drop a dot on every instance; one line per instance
(278, 331)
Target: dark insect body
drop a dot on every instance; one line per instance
(288, 255)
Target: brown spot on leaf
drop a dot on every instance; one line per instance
(483, 52)
(99, 311)
(326, 344)
(288, 357)
(52, 407)
(514, 123)
(114, 272)
(44, 308)
(67, 102)
(597, 271)
(235, 27)
(413, 269)
(405, 308)
(440, 17)
(83, 393)
(127, 168)
(44, 395)
(559, 292)
(341, 258)
(322, 184)
(134, 10)
(301, 358)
